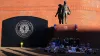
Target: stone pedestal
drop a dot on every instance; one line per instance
(66, 27)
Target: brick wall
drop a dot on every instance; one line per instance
(83, 13)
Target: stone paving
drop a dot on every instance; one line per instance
(17, 51)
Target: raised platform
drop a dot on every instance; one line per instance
(65, 27)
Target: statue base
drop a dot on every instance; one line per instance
(65, 27)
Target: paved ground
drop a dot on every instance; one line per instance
(17, 51)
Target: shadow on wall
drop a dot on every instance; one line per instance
(31, 30)
(92, 37)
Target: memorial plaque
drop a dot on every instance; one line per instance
(27, 29)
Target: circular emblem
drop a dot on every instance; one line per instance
(24, 28)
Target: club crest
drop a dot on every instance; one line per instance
(24, 28)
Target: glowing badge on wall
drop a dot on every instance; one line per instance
(24, 28)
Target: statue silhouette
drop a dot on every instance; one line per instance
(59, 13)
(65, 12)
(62, 12)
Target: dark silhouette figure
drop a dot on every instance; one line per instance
(59, 13)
